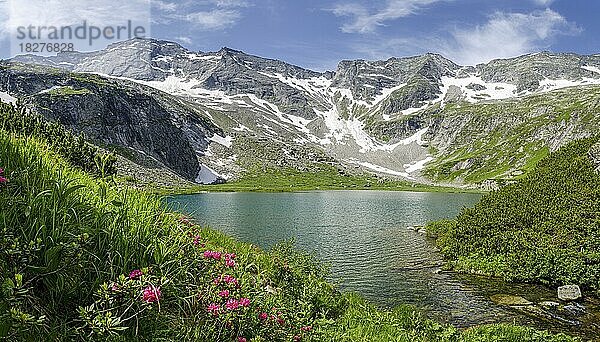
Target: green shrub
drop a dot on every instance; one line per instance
(544, 228)
(72, 147)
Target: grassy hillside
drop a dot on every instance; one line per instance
(544, 228)
(505, 139)
(82, 259)
(322, 177)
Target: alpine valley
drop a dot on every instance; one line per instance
(207, 117)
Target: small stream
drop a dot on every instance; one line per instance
(363, 235)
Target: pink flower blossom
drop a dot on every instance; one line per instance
(135, 274)
(224, 294)
(232, 304)
(230, 280)
(263, 316)
(297, 338)
(151, 294)
(242, 339)
(212, 255)
(306, 328)
(280, 321)
(197, 240)
(230, 263)
(245, 302)
(3, 180)
(230, 256)
(214, 309)
(114, 287)
(1, 170)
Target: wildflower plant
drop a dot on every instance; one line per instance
(122, 303)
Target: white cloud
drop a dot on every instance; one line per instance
(185, 40)
(507, 35)
(543, 2)
(213, 20)
(213, 15)
(230, 3)
(365, 21)
(71, 12)
(164, 5)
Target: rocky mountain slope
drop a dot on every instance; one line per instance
(414, 117)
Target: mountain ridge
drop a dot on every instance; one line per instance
(377, 116)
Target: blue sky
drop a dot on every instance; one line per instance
(318, 34)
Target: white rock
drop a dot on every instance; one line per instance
(569, 292)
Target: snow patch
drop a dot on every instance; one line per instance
(225, 141)
(7, 98)
(194, 56)
(418, 165)
(206, 175)
(493, 91)
(591, 68)
(549, 84)
(50, 89)
(386, 92)
(342, 130)
(162, 58)
(241, 128)
(417, 138)
(314, 85)
(379, 168)
(183, 87)
(296, 121)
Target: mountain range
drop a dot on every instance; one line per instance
(212, 116)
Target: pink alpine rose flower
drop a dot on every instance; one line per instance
(242, 339)
(212, 255)
(135, 274)
(214, 309)
(151, 294)
(263, 316)
(245, 302)
(232, 304)
(230, 280)
(224, 294)
(197, 240)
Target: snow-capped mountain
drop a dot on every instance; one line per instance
(392, 117)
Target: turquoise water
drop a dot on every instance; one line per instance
(363, 235)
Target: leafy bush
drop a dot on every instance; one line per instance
(544, 228)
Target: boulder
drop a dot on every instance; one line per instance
(569, 292)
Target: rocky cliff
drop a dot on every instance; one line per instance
(151, 127)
